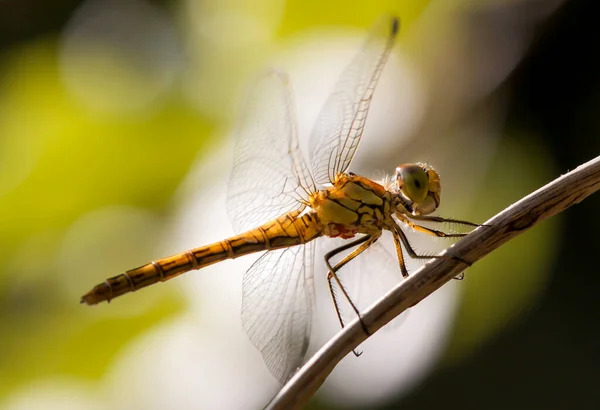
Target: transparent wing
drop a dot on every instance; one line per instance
(269, 175)
(341, 122)
(368, 277)
(278, 295)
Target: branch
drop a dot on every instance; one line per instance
(547, 201)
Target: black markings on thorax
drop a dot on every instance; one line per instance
(356, 205)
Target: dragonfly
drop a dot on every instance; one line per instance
(302, 201)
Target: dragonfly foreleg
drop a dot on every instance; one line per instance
(429, 231)
(439, 219)
(399, 235)
(364, 243)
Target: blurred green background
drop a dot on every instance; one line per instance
(107, 107)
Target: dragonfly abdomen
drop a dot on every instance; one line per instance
(287, 230)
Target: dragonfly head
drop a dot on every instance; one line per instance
(420, 184)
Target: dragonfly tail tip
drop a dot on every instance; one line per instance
(89, 299)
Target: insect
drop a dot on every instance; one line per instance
(300, 203)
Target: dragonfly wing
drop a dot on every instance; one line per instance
(269, 176)
(341, 122)
(278, 297)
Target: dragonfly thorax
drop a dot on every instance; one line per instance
(353, 205)
(357, 205)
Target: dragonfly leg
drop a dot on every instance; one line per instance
(364, 243)
(399, 235)
(429, 231)
(434, 232)
(439, 219)
(403, 269)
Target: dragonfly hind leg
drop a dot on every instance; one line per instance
(365, 242)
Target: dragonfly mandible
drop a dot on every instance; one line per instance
(271, 181)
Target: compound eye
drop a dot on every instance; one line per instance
(413, 182)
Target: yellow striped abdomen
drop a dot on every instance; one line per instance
(287, 230)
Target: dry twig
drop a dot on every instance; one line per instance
(547, 201)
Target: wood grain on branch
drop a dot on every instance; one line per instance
(547, 201)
